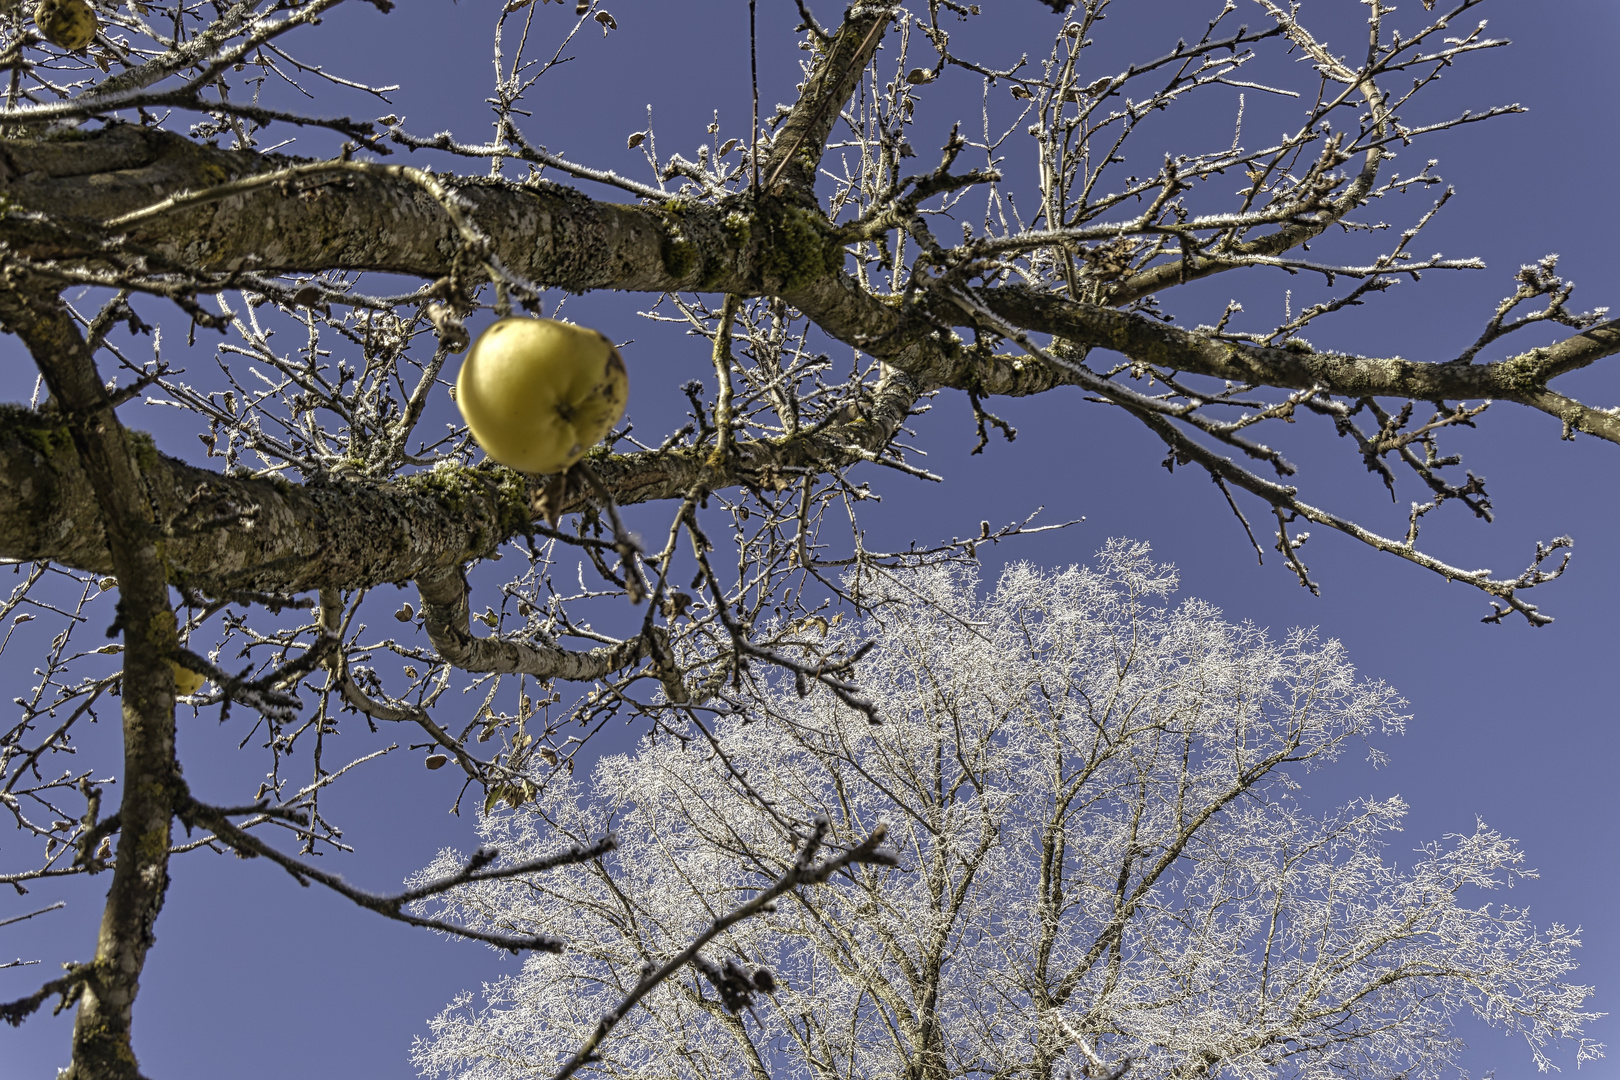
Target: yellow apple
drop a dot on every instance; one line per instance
(70, 24)
(186, 681)
(537, 393)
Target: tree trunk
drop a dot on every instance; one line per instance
(151, 776)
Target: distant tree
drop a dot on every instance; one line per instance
(840, 259)
(1102, 863)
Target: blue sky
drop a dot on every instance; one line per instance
(255, 977)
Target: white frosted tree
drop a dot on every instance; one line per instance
(1103, 867)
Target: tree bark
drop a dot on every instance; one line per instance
(556, 236)
(268, 535)
(110, 463)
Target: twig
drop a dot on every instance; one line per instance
(31, 914)
(392, 907)
(803, 872)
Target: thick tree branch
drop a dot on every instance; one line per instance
(256, 534)
(268, 535)
(355, 219)
(447, 618)
(203, 211)
(797, 149)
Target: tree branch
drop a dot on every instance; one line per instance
(280, 537)
(447, 618)
(1520, 378)
(803, 871)
(392, 907)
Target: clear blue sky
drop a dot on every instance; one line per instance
(254, 977)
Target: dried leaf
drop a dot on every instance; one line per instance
(917, 76)
(1090, 91)
(635, 140)
(607, 22)
(436, 761)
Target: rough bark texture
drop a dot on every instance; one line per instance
(1521, 378)
(361, 221)
(556, 236)
(263, 535)
(447, 617)
(151, 776)
(269, 535)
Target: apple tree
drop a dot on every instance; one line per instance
(927, 217)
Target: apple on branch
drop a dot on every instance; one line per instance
(537, 393)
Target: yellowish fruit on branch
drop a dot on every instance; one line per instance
(69, 24)
(537, 394)
(186, 681)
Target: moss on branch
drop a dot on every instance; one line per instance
(270, 535)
